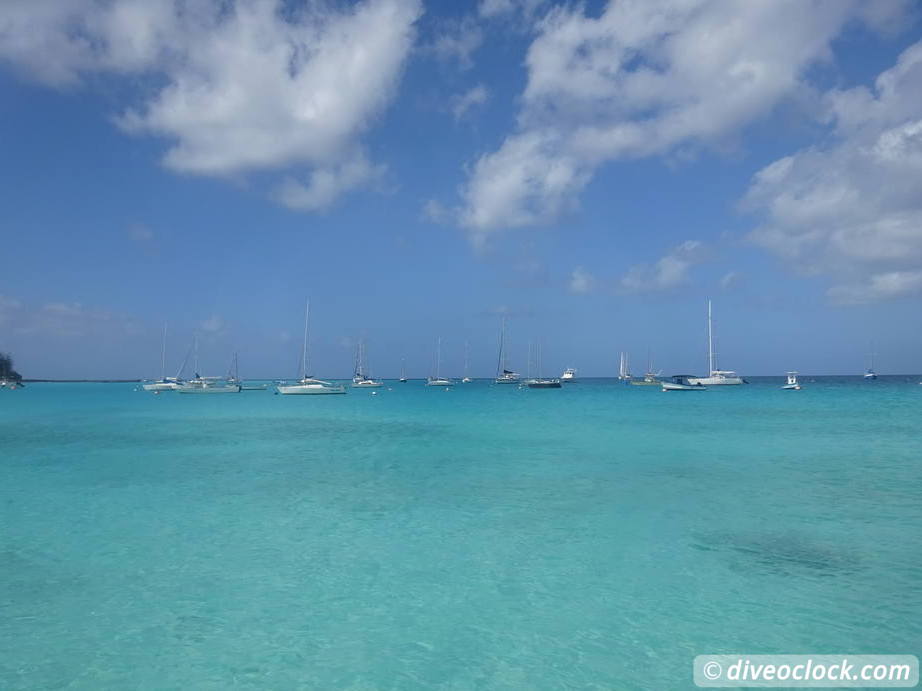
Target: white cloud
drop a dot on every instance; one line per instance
(243, 86)
(325, 185)
(65, 320)
(458, 43)
(729, 279)
(669, 271)
(853, 209)
(475, 96)
(642, 79)
(581, 281)
(212, 325)
(500, 8)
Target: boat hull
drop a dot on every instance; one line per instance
(670, 386)
(716, 381)
(160, 386)
(544, 385)
(234, 388)
(308, 390)
(367, 384)
(440, 382)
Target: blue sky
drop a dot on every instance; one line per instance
(595, 171)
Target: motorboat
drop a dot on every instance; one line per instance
(568, 376)
(792, 383)
(683, 382)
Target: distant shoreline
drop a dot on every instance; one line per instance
(81, 381)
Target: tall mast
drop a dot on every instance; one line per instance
(438, 359)
(307, 314)
(501, 364)
(710, 342)
(163, 355)
(467, 357)
(195, 354)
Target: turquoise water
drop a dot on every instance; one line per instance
(594, 537)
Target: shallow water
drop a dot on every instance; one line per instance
(597, 536)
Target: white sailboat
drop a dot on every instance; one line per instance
(165, 383)
(650, 378)
(438, 379)
(361, 378)
(307, 385)
(869, 373)
(503, 374)
(624, 372)
(792, 383)
(717, 377)
(203, 385)
(467, 363)
(403, 371)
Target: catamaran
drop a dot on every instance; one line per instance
(306, 384)
(792, 383)
(360, 378)
(165, 383)
(503, 374)
(438, 379)
(718, 377)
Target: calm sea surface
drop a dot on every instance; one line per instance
(594, 537)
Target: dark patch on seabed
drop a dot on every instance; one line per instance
(780, 553)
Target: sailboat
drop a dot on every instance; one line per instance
(467, 363)
(650, 378)
(438, 379)
(503, 374)
(540, 382)
(360, 378)
(403, 371)
(792, 383)
(201, 385)
(307, 385)
(717, 377)
(164, 383)
(869, 373)
(624, 373)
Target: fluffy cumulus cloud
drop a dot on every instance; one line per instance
(669, 271)
(644, 79)
(237, 86)
(853, 208)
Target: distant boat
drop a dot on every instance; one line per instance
(624, 372)
(682, 382)
(792, 383)
(540, 382)
(467, 363)
(438, 379)
(165, 383)
(717, 377)
(503, 374)
(650, 378)
(360, 377)
(307, 385)
(205, 385)
(568, 376)
(869, 373)
(403, 371)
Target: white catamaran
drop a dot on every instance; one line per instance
(202, 385)
(438, 379)
(306, 384)
(718, 377)
(503, 374)
(624, 372)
